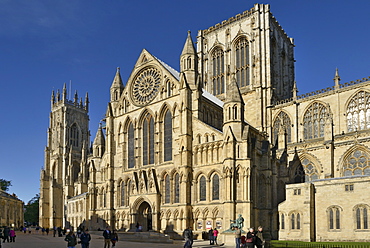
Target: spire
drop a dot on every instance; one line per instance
(52, 97)
(189, 46)
(232, 91)
(99, 138)
(336, 78)
(87, 102)
(117, 81)
(58, 95)
(295, 90)
(75, 98)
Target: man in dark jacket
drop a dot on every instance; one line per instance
(107, 237)
(85, 238)
(210, 237)
(6, 234)
(260, 240)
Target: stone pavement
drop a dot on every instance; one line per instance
(46, 241)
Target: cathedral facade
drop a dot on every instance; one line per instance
(227, 135)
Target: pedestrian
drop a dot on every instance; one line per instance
(24, 229)
(107, 235)
(12, 235)
(54, 231)
(215, 235)
(238, 235)
(210, 236)
(71, 239)
(6, 234)
(85, 238)
(250, 238)
(114, 238)
(47, 230)
(59, 229)
(260, 240)
(188, 236)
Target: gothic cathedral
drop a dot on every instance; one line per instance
(227, 135)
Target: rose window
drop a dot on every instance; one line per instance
(145, 87)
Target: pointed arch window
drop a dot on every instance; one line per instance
(167, 131)
(357, 163)
(242, 62)
(215, 187)
(362, 221)
(167, 189)
(148, 140)
(292, 218)
(218, 71)
(282, 223)
(202, 189)
(123, 195)
(177, 188)
(314, 121)
(74, 135)
(358, 112)
(334, 218)
(310, 170)
(282, 122)
(131, 146)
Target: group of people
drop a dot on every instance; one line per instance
(212, 236)
(251, 239)
(8, 234)
(84, 237)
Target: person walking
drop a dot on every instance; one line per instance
(251, 238)
(107, 235)
(260, 240)
(188, 236)
(12, 235)
(85, 238)
(71, 240)
(114, 238)
(238, 235)
(215, 235)
(210, 236)
(6, 234)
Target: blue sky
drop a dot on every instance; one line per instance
(44, 44)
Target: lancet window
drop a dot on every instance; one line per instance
(357, 163)
(167, 189)
(202, 189)
(218, 71)
(177, 188)
(167, 136)
(314, 121)
(148, 140)
(74, 135)
(282, 122)
(334, 218)
(358, 112)
(362, 219)
(215, 187)
(130, 146)
(242, 62)
(123, 195)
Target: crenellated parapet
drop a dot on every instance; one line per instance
(59, 99)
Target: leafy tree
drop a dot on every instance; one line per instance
(31, 213)
(4, 184)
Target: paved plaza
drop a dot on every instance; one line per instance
(46, 241)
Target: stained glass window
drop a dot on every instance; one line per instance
(298, 221)
(242, 62)
(122, 194)
(362, 221)
(167, 189)
(131, 147)
(293, 221)
(148, 140)
(215, 187)
(202, 189)
(358, 112)
(314, 121)
(177, 188)
(310, 170)
(282, 121)
(331, 219)
(356, 163)
(218, 72)
(167, 136)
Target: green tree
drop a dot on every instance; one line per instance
(31, 213)
(4, 184)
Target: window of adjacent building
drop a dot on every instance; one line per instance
(292, 219)
(148, 140)
(358, 112)
(348, 187)
(177, 188)
(356, 163)
(167, 189)
(362, 221)
(297, 191)
(202, 189)
(215, 187)
(74, 135)
(295, 219)
(314, 121)
(167, 136)
(218, 71)
(131, 146)
(334, 218)
(242, 62)
(282, 123)
(282, 222)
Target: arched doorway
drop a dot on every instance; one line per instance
(145, 216)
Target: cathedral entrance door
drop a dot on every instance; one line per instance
(145, 216)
